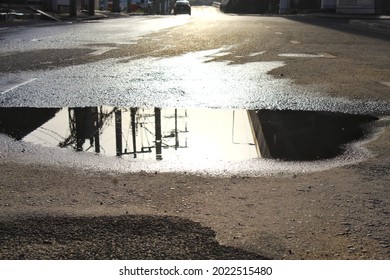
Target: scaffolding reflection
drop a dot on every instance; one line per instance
(144, 124)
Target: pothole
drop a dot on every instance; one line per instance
(192, 134)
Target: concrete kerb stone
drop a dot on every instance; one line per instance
(104, 15)
(375, 25)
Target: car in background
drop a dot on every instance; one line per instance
(182, 7)
(145, 5)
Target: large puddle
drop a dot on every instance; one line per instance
(191, 134)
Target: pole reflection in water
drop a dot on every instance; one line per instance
(151, 133)
(157, 117)
(118, 131)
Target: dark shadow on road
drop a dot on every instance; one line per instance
(118, 237)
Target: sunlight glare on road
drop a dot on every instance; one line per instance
(205, 11)
(189, 80)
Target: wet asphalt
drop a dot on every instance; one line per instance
(207, 60)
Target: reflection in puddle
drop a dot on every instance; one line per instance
(145, 133)
(192, 134)
(308, 136)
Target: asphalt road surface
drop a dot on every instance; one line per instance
(208, 59)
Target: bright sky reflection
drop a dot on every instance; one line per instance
(187, 134)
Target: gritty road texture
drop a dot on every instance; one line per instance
(332, 214)
(52, 212)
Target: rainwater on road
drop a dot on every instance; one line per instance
(123, 92)
(195, 139)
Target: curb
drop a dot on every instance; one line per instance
(374, 25)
